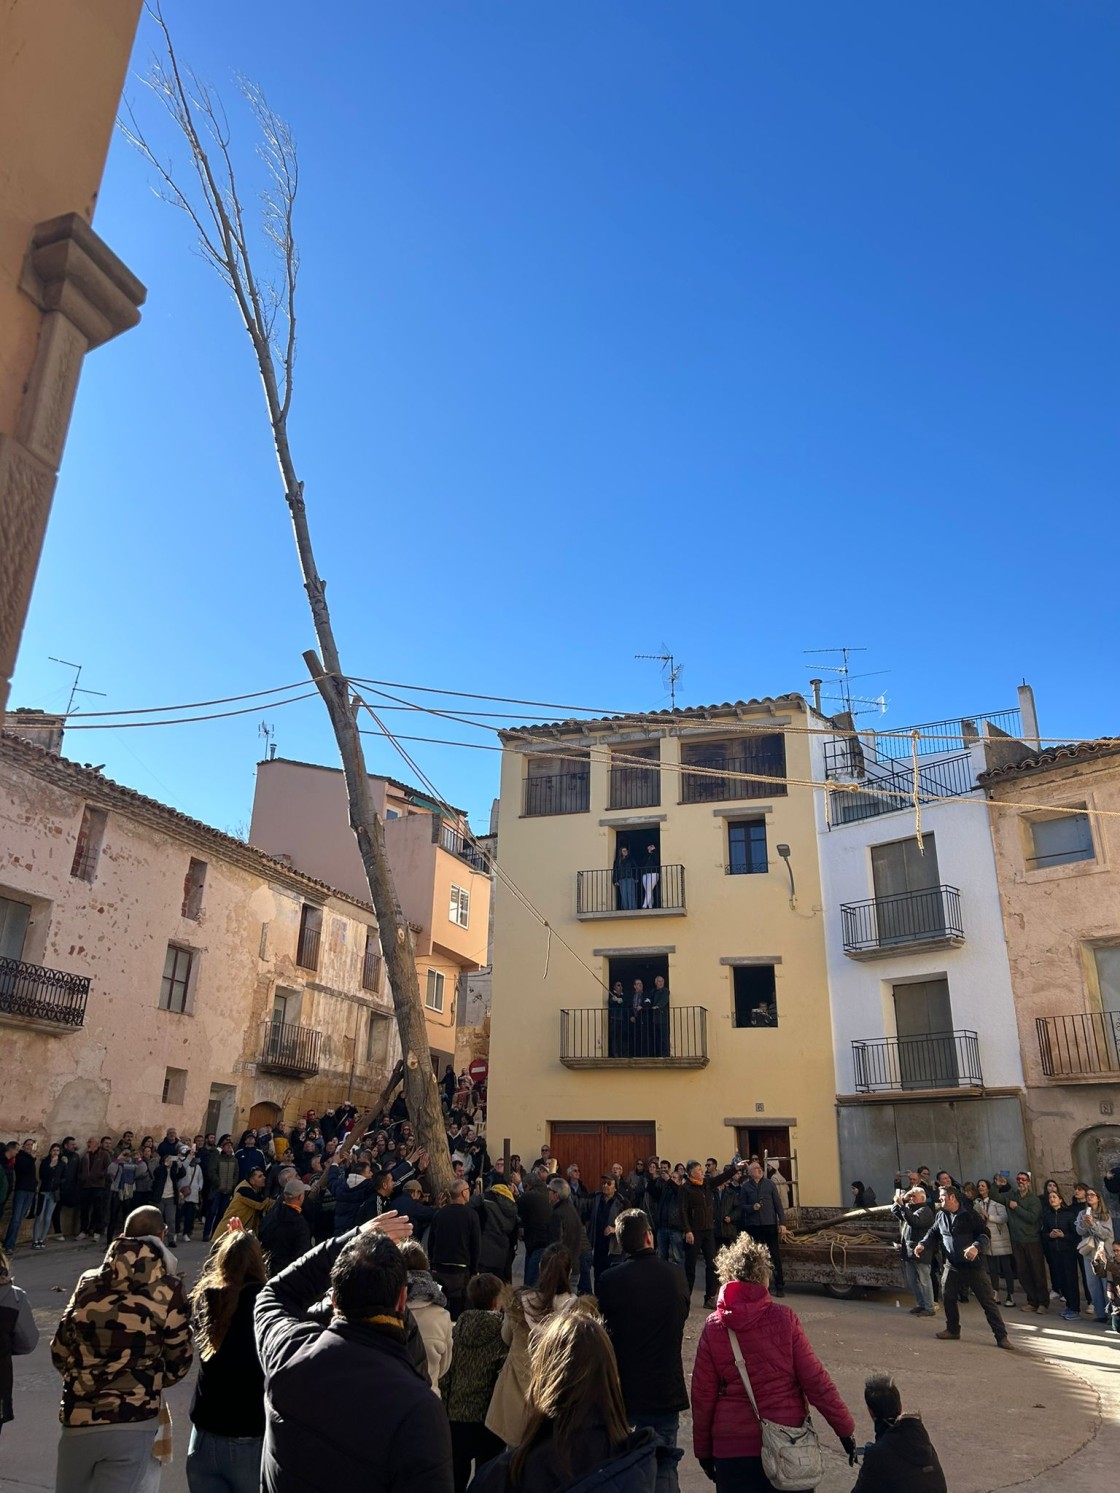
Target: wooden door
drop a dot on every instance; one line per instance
(595, 1145)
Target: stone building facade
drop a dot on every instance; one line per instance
(156, 972)
(1057, 842)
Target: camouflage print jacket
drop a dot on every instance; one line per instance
(124, 1338)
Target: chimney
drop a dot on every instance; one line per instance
(816, 687)
(1029, 716)
(37, 726)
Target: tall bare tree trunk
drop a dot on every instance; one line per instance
(268, 311)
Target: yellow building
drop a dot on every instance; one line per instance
(1059, 882)
(62, 290)
(725, 909)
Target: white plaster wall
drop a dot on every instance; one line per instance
(978, 972)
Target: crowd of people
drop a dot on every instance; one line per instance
(995, 1232)
(331, 1265)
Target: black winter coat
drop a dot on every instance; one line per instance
(310, 1371)
(566, 1228)
(665, 1198)
(285, 1235)
(957, 1232)
(901, 1460)
(497, 1218)
(632, 1470)
(535, 1212)
(645, 1304)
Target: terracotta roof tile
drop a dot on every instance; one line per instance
(1055, 756)
(682, 713)
(92, 784)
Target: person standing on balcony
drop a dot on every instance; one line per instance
(640, 1009)
(659, 1018)
(625, 878)
(617, 1025)
(651, 876)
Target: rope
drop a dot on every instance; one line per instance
(917, 795)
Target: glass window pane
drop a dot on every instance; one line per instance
(1057, 842)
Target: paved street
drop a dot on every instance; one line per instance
(998, 1420)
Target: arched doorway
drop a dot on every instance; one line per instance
(264, 1112)
(1096, 1151)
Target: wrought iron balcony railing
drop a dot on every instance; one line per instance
(558, 793)
(941, 1060)
(602, 1038)
(307, 947)
(289, 1049)
(767, 759)
(371, 970)
(1081, 1045)
(40, 994)
(456, 843)
(659, 890)
(885, 790)
(634, 788)
(884, 925)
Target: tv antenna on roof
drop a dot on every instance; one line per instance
(74, 690)
(269, 734)
(671, 671)
(844, 677)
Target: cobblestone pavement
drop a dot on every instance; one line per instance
(999, 1420)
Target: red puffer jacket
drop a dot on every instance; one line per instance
(784, 1373)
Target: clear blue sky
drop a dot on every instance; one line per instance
(740, 327)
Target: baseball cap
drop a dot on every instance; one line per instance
(295, 1188)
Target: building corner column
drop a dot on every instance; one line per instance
(87, 296)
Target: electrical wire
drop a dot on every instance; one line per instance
(193, 705)
(187, 720)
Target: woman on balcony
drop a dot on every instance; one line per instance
(625, 878)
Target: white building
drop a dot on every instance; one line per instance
(928, 1069)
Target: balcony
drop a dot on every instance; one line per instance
(940, 1060)
(456, 843)
(32, 993)
(634, 788)
(887, 785)
(591, 1039)
(906, 923)
(1084, 1045)
(598, 897)
(557, 793)
(765, 759)
(293, 1050)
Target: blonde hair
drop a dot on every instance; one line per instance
(236, 1262)
(574, 1381)
(746, 1260)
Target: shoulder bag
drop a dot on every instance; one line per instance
(791, 1455)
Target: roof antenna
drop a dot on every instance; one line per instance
(74, 690)
(844, 678)
(671, 671)
(269, 734)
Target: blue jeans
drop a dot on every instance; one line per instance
(1098, 1296)
(533, 1267)
(665, 1426)
(22, 1204)
(919, 1282)
(628, 893)
(586, 1260)
(223, 1464)
(670, 1246)
(46, 1213)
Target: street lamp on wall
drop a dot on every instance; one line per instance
(783, 851)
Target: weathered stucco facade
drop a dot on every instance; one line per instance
(301, 811)
(1059, 877)
(221, 984)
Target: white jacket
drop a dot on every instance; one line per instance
(995, 1216)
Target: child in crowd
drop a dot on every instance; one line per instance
(477, 1355)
